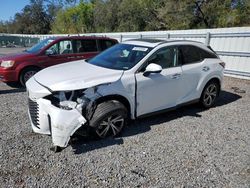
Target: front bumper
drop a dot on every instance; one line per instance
(48, 119)
(7, 75)
(59, 123)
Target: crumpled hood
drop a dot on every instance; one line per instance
(76, 75)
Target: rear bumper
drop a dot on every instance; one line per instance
(7, 75)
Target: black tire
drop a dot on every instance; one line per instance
(108, 119)
(26, 74)
(209, 94)
(14, 84)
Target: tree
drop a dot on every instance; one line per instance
(77, 19)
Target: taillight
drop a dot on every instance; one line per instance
(222, 64)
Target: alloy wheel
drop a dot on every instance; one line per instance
(210, 94)
(28, 75)
(110, 126)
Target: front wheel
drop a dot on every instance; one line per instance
(209, 94)
(26, 74)
(109, 119)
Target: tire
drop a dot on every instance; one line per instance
(108, 119)
(26, 74)
(209, 94)
(14, 85)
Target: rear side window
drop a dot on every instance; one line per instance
(192, 54)
(104, 44)
(86, 45)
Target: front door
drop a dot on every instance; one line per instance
(60, 52)
(158, 91)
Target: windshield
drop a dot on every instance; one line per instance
(120, 56)
(37, 47)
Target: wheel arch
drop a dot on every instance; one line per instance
(215, 79)
(27, 67)
(119, 98)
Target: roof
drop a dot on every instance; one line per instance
(155, 42)
(145, 42)
(79, 37)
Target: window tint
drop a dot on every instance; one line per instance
(190, 54)
(86, 45)
(89, 46)
(165, 57)
(205, 54)
(104, 44)
(193, 54)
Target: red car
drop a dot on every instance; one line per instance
(18, 68)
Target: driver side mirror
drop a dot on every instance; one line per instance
(152, 68)
(49, 52)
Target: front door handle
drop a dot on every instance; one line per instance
(205, 69)
(176, 76)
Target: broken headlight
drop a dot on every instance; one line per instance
(67, 100)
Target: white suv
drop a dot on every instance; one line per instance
(132, 79)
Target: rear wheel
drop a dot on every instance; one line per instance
(26, 74)
(109, 119)
(209, 94)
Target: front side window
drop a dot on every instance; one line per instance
(120, 56)
(166, 57)
(62, 47)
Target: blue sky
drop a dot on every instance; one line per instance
(8, 8)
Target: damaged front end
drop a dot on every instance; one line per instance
(61, 113)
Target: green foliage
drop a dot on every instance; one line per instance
(82, 16)
(77, 19)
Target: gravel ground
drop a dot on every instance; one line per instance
(188, 147)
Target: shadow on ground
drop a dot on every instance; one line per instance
(14, 90)
(85, 144)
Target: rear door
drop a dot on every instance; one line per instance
(192, 68)
(159, 91)
(85, 48)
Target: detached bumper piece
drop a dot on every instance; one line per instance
(59, 123)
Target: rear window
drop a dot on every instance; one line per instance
(104, 44)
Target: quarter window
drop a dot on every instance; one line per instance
(205, 54)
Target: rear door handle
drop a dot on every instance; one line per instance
(71, 57)
(176, 76)
(205, 69)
